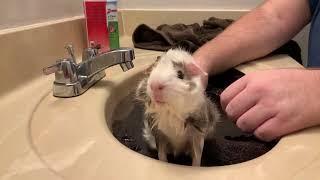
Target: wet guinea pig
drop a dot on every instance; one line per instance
(178, 115)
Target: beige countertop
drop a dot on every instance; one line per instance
(43, 137)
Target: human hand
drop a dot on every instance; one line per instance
(274, 103)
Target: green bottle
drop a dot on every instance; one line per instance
(113, 25)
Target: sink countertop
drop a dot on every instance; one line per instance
(19, 160)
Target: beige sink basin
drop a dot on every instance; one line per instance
(48, 138)
(73, 141)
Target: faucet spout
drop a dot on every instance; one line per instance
(96, 64)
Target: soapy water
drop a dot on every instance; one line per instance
(230, 145)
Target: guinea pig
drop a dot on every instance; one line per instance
(178, 114)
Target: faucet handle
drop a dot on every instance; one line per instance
(65, 71)
(53, 68)
(91, 52)
(94, 45)
(70, 50)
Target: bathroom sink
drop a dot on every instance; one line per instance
(73, 137)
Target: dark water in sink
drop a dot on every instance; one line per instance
(230, 146)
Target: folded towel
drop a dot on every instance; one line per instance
(191, 37)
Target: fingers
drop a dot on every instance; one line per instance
(252, 111)
(254, 117)
(277, 127)
(269, 130)
(240, 104)
(230, 92)
(236, 99)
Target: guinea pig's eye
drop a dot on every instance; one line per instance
(180, 74)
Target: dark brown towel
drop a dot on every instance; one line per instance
(191, 37)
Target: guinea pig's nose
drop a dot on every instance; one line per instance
(156, 86)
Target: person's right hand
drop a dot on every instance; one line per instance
(274, 103)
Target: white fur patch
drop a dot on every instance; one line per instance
(148, 135)
(171, 123)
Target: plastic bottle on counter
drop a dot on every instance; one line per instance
(113, 25)
(102, 23)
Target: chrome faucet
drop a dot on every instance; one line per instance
(72, 79)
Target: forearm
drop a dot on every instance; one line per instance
(254, 35)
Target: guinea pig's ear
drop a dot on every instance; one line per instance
(156, 61)
(158, 58)
(194, 70)
(149, 69)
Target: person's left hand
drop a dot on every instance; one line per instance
(274, 103)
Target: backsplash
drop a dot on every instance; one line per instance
(15, 13)
(26, 50)
(189, 4)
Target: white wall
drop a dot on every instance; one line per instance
(23, 12)
(189, 4)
